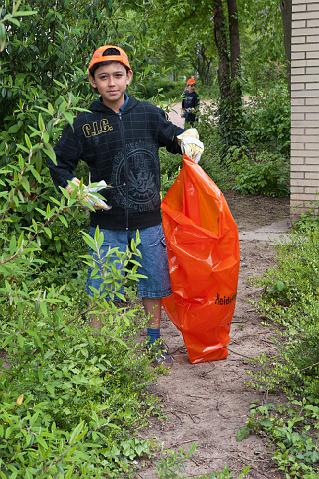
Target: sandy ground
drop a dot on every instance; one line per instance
(209, 402)
(175, 115)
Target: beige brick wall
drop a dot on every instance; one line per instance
(304, 176)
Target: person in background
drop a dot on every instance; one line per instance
(190, 103)
(119, 139)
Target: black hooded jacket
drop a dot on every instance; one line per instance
(190, 100)
(122, 149)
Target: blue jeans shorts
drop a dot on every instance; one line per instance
(154, 263)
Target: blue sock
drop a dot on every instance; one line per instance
(153, 334)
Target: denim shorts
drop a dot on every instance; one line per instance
(154, 263)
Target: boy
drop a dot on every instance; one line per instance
(190, 102)
(119, 140)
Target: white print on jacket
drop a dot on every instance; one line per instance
(142, 177)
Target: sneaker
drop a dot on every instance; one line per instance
(160, 354)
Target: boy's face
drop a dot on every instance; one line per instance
(111, 82)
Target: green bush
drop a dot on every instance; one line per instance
(256, 168)
(71, 394)
(309, 221)
(170, 166)
(267, 121)
(292, 429)
(296, 273)
(266, 174)
(152, 87)
(71, 397)
(290, 300)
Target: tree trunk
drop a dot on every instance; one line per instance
(235, 67)
(234, 38)
(230, 119)
(222, 48)
(203, 64)
(286, 14)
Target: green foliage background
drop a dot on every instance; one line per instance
(73, 399)
(290, 301)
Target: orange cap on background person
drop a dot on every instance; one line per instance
(191, 81)
(100, 55)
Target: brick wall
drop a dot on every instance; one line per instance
(304, 105)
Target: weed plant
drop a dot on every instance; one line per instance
(72, 395)
(266, 173)
(267, 121)
(172, 464)
(290, 299)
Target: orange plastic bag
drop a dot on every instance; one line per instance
(203, 254)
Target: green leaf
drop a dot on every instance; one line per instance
(90, 241)
(69, 118)
(3, 37)
(280, 286)
(48, 232)
(14, 21)
(76, 433)
(21, 341)
(21, 162)
(28, 141)
(23, 148)
(25, 13)
(28, 474)
(42, 442)
(50, 152)
(243, 433)
(15, 128)
(35, 174)
(58, 83)
(41, 122)
(50, 109)
(43, 308)
(58, 245)
(42, 212)
(63, 220)
(25, 183)
(45, 137)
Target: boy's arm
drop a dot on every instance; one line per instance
(68, 153)
(178, 140)
(168, 132)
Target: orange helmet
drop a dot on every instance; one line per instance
(191, 81)
(98, 56)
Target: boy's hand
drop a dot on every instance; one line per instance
(191, 144)
(89, 194)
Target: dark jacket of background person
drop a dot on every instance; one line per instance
(190, 103)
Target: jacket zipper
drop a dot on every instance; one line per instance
(125, 172)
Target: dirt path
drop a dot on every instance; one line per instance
(207, 403)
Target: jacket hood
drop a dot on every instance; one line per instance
(97, 105)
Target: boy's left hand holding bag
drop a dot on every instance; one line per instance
(191, 144)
